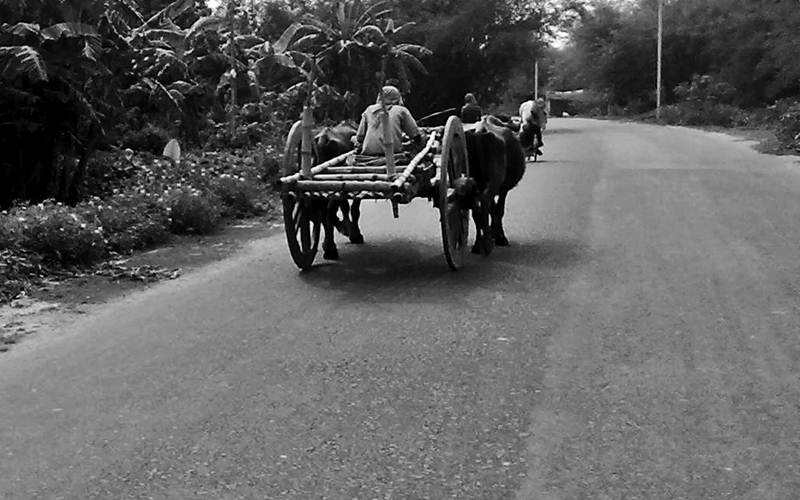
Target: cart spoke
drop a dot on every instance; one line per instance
(301, 221)
(305, 235)
(297, 215)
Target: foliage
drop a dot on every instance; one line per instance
(144, 199)
(789, 127)
(469, 36)
(150, 139)
(750, 44)
(131, 221)
(236, 195)
(192, 212)
(704, 101)
(705, 88)
(705, 113)
(59, 234)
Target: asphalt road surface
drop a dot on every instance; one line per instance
(639, 339)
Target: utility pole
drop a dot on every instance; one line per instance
(658, 64)
(536, 78)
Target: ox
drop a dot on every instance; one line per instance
(331, 142)
(497, 163)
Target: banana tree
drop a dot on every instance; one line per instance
(401, 57)
(344, 43)
(48, 112)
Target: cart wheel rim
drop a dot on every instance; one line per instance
(300, 222)
(457, 221)
(302, 229)
(454, 218)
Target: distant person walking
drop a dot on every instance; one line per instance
(470, 111)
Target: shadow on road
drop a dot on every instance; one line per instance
(559, 131)
(542, 255)
(418, 272)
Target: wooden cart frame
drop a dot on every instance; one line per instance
(432, 173)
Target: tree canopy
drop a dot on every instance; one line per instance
(748, 44)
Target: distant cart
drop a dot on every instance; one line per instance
(431, 173)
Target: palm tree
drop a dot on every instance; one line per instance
(402, 57)
(344, 45)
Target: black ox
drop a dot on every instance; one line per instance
(497, 163)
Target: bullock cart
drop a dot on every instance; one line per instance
(434, 172)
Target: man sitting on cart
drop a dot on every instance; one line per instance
(369, 138)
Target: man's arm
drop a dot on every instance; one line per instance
(409, 125)
(358, 139)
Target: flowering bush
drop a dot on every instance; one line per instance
(9, 231)
(59, 234)
(135, 201)
(131, 221)
(789, 127)
(192, 212)
(237, 195)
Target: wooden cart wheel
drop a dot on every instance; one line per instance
(301, 219)
(454, 218)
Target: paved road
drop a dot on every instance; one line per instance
(639, 340)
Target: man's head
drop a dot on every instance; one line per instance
(470, 99)
(540, 101)
(391, 95)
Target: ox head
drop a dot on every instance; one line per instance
(331, 142)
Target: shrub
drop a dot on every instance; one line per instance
(106, 171)
(18, 268)
(705, 88)
(789, 127)
(192, 212)
(9, 231)
(59, 234)
(150, 138)
(132, 221)
(705, 113)
(238, 197)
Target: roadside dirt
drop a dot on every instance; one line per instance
(60, 301)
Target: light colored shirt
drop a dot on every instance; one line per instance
(370, 134)
(531, 112)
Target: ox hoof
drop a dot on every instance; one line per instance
(483, 246)
(501, 241)
(342, 227)
(331, 254)
(357, 239)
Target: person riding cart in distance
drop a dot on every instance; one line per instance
(534, 120)
(471, 110)
(369, 137)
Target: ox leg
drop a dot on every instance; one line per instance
(329, 220)
(498, 211)
(480, 214)
(355, 231)
(342, 225)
